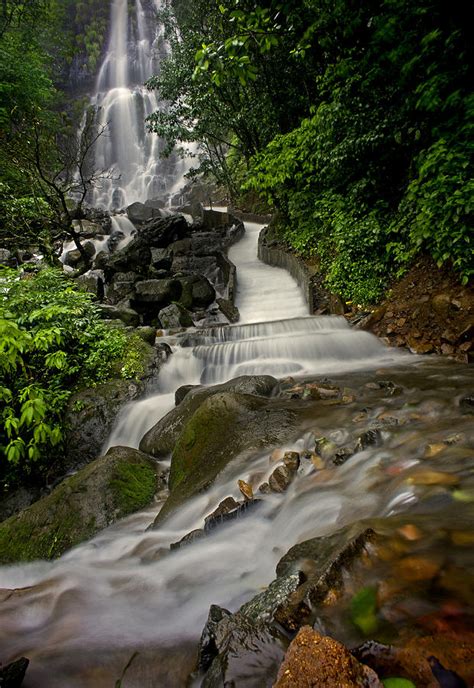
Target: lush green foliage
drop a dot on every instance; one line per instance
(51, 341)
(382, 167)
(357, 120)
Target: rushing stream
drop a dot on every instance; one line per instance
(80, 619)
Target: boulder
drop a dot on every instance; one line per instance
(74, 257)
(224, 425)
(182, 391)
(92, 412)
(92, 281)
(321, 662)
(88, 229)
(115, 485)
(5, 256)
(152, 295)
(121, 286)
(174, 316)
(197, 292)
(127, 315)
(161, 258)
(134, 257)
(139, 213)
(228, 649)
(156, 203)
(12, 675)
(230, 311)
(162, 232)
(162, 437)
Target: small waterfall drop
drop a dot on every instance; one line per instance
(277, 337)
(123, 594)
(126, 151)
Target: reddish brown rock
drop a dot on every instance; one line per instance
(317, 661)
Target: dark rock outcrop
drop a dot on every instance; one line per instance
(119, 483)
(161, 439)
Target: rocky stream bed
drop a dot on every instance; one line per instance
(294, 508)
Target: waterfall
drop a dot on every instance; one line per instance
(126, 152)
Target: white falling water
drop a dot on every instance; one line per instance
(126, 150)
(294, 345)
(80, 618)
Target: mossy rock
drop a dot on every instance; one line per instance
(92, 411)
(223, 426)
(161, 439)
(111, 487)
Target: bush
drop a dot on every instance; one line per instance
(52, 341)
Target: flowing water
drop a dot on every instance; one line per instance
(126, 150)
(81, 618)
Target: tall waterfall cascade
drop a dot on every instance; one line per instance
(126, 152)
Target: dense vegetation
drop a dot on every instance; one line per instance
(354, 120)
(52, 341)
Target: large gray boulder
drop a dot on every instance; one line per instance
(139, 213)
(115, 485)
(160, 440)
(196, 292)
(175, 316)
(135, 257)
(152, 295)
(225, 425)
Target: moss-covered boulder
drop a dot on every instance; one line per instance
(93, 411)
(115, 485)
(224, 425)
(161, 439)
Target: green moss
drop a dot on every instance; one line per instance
(107, 489)
(133, 486)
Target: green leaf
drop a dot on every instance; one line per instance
(363, 610)
(398, 683)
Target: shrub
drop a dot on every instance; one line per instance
(52, 341)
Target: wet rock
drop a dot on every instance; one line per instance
(127, 315)
(371, 438)
(112, 486)
(281, 479)
(236, 652)
(74, 258)
(223, 426)
(230, 311)
(182, 391)
(246, 490)
(227, 515)
(139, 213)
(92, 282)
(342, 455)
(265, 488)
(161, 439)
(160, 233)
(319, 661)
(121, 286)
(174, 316)
(325, 448)
(227, 504)
(291, 460)
(196, 292)
(433, 478)
(320, 563)
(188, 539)
(12, 675)
(92, 412)
(161, 259)
(414, 658)
(134, 257)
(155, 294)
